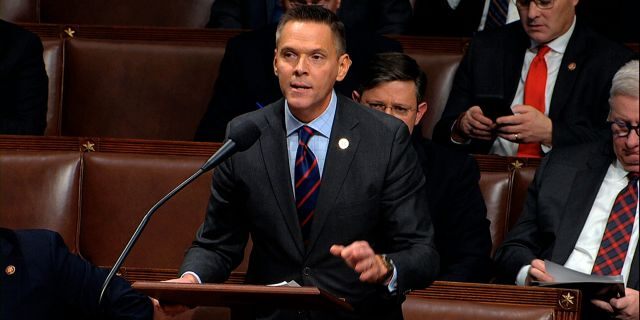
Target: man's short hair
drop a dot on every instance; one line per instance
(393, 66)
(318, 14)
(625, 82)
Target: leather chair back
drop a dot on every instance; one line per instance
(123, 187)
(496, 188)
(440, 69)
(135, 89)
(41, 189)
(52, 56)
(20, 10)
(160, 13)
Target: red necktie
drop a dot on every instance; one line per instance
(615, 241)
(534, 95)
(307, 181)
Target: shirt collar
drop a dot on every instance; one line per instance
(321, 124)
(560, 43)
(619, 172)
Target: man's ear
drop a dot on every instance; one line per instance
(344, 62)
(422, 110)
(355, 96)
(275, 61)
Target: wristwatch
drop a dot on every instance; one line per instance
(388, 263)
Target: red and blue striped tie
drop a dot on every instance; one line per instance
(615, 241)
(307, 181)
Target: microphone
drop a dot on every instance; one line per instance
(242, 135)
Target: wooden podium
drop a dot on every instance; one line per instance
(241, 298)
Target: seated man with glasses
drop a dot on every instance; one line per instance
(393, 83)
(582, 208)
(532, 85)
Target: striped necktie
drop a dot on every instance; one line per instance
(617, 234)
(497, 14)
(307, 181)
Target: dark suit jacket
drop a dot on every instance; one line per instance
(51, 283)
(373, 190)
(23, 82)
(246, 76)
(579, 105)
(379, 16)
(458, 213)
(558, 203)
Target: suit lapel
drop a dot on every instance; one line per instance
(336, 166)
(581, 198)
(274, 152)
(11, 284)
(574, 55)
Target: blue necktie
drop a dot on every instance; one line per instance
(307, 181)
(497, 14)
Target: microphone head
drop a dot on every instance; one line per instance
(244, 134)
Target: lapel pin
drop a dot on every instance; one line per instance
(10, 270)
(343, 143)
(572, 66)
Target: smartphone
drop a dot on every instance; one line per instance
(493, 106)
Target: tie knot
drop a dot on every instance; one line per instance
(633, 177)
(304, 134)
(542, 51)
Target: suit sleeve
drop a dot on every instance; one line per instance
(394, 16)
(219, 244)
(80, 284)
(226, 14)
(465, 239)
(525, 241)
(407, 227)
(27, 105)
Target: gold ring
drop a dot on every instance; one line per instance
(516, 137)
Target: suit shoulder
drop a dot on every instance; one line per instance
(16, 35)
(576, 154)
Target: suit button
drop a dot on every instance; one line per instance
(306, 271)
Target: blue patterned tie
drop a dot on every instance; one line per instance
(497, 14)
(307, 181)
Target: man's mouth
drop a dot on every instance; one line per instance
(299, 86)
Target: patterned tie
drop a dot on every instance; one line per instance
(307, 181)
(534, 95)
(497, 14)
(615, 241)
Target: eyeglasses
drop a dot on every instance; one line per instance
(541, 4)
(397, 110)
(622, 128)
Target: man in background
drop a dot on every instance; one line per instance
(582, 208)
(23, 82)
(532, 85)
(394, 83)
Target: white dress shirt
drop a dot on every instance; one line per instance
(553, 59)
(584, 254)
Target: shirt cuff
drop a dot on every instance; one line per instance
(468, 141)
(193, 274)
(521, 278)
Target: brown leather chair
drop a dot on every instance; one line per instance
(41, 189)
(167, 13)
(418, 309)
(136, 89)
(20, 10)
(440, 69)
(119, 188)
(522, 178)
(52, 56)
(496, 188)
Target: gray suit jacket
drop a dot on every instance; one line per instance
(373, 190)
(558, 204)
